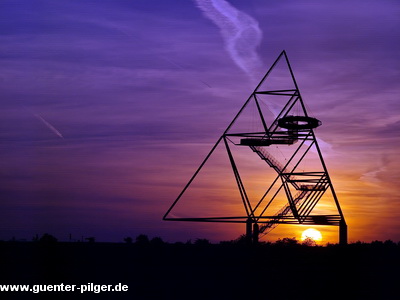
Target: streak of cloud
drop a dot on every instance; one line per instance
(240, 32)
(48, 125)
(242, 35)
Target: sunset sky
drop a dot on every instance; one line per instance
(108, 107)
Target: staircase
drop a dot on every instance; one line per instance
(307, 196)
(285, 210)
(273, 163)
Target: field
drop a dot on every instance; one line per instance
(204, 271)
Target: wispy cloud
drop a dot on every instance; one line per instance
(240, 32)
(48, 125)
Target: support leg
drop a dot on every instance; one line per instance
(249, 231)
(256, 231)
(342, 233)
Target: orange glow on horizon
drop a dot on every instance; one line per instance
(311, 233)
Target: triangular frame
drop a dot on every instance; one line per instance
(303, 189)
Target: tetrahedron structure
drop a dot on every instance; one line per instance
(277, 171)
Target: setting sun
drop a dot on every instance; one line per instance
(312, 234)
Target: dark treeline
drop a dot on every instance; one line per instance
(143, 239)
(198, 269)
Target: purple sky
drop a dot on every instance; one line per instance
(140, 90)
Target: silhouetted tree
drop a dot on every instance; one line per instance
(287, 242)
(91, 239)
(376, 243)
(156, 241)
(363, 244)
(47, 239)
(309, 242)
(201, 242)
(142, 239)
(241, 240)
(389, 243)
(128, 240)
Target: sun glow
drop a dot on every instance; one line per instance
(311, 233)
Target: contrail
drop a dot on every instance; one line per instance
(242, 36)
(51, 127)
(240, 32)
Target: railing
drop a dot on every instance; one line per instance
(305, 199)
(307, 196)
(283, 212)
(273, 163)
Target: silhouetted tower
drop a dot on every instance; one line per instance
(276, 126)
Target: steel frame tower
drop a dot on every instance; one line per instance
(303, 188)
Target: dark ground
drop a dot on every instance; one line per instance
(179, 271)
